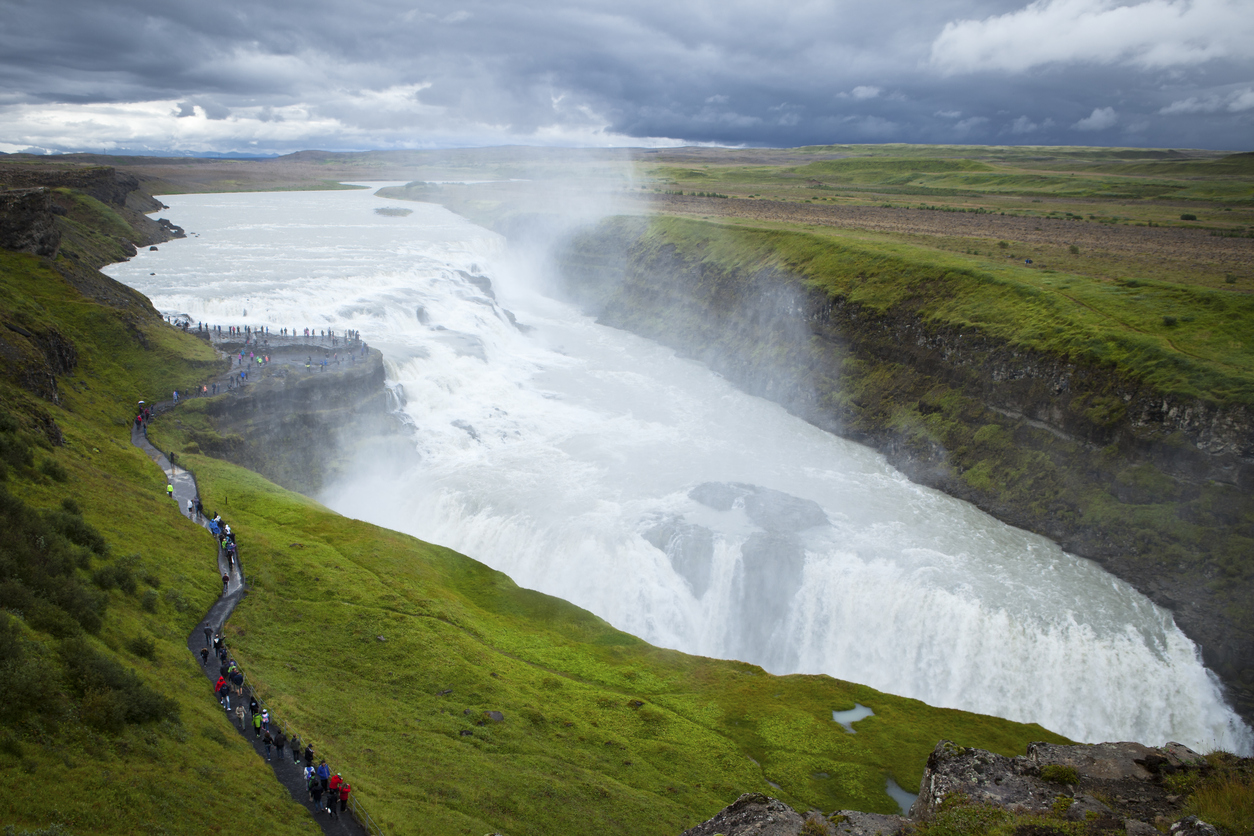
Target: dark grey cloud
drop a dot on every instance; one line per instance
(288, 74)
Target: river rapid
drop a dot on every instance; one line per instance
(599, 467)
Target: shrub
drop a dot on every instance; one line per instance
(1188, 217)
(1058, 774)
(143, 647)
(149, 601)
(115, 577)
(1003, 244)
(53, 470)
(108, 691)
(1074, 250)
(1169, 321)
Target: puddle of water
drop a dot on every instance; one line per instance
(853, 715)
(904, 799)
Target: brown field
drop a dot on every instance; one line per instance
(1185, 250)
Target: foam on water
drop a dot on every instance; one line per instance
(557, 454)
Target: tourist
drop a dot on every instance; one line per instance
(324, 773)
(256, 725)
(345, 789)
(315, 793)
(280, 740)
(267, 741)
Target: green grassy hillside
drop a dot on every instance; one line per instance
(107, 725)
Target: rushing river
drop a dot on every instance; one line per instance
(599, 467)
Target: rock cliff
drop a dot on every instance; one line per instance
(295, 425)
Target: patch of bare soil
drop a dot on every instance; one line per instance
(1180, 245)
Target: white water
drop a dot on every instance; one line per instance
(573, 441)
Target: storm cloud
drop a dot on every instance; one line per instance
(282, 75)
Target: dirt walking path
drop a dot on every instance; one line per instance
(287, 771)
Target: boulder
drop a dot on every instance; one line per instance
(752, 813)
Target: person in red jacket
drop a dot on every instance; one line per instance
(345, 789)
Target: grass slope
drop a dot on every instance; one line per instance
(71, 759)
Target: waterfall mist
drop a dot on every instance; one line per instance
(600, 467)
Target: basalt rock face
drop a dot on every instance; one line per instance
(296, 426)
(27, 222)
(1158, 489)
(34, 203)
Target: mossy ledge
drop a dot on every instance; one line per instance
(983, 383)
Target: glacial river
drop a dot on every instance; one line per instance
(599, 467)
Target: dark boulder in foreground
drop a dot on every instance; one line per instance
(753, 813)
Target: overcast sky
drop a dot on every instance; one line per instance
(268, 76)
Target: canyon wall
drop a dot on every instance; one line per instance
(1154, 487)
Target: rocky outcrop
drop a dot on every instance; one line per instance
(751, 813)
(37, 204)
(27, 222)
(1119, 782)
(295, 426)
(1123, 788)
(1155, 487)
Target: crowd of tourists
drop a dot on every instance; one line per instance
(327, 790)
(259, 334)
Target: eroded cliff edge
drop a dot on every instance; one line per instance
(1154, 486)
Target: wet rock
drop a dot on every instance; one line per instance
(494, 716)
(778, 511)
(422, 315)
(463, 345)
(770, 509)
(752, 813)
(482, 282)
(690, 549)
(466, 428)
(717, 495)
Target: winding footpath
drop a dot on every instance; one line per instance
(286, 772)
